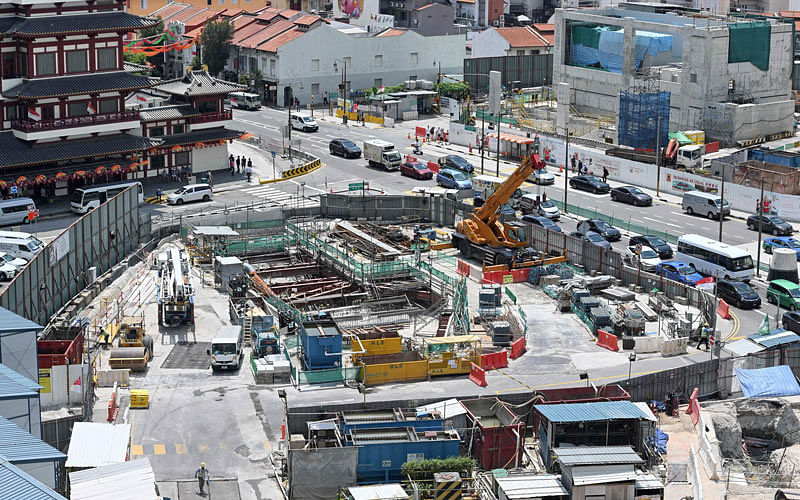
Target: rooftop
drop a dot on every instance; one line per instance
(94, 444)
(12, 322)
(131, 480)
(202, 135)
(198, 82)
(522, 36)
(391, 32)
(603, 474)
(167, 113)
(17, 484)
(263, 33)
(17, 153)
(597, 455)
(19, 446)
(214, 231)
(591, 412)
(116, 81)
(83, 23)
(778, 336)
(279, 41)
(525, 487)
(14, 385)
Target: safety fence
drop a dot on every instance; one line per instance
(621, 224)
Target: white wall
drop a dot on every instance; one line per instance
(61, 380)
(489, 43)
(215, 158)
(327, 44)
(18, 352)
(24, 412)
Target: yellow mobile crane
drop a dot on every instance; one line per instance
(484, 236)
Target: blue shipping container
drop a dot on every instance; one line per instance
(322, 344)
(382, 419)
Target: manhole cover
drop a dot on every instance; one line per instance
(188, 355)
(677, 473)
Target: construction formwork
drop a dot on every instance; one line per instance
(638, 119)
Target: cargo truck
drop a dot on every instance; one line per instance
(382, 154)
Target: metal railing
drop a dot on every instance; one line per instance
(214, 116)
(75, 121)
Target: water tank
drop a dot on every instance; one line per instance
(783, 265)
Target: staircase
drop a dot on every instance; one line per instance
(247, 329)
(444, 320)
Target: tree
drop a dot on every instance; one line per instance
(457, 90)
(157, 60)
(216, 42)
(137, 58)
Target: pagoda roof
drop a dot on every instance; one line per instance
(18, 153)
(203, 135)
(78, 85)
(83, 23)
(167, 113)
(198, 82)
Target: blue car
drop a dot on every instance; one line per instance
(770, 244)
(453, 179)
(679, 271)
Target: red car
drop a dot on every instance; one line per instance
(416, 169)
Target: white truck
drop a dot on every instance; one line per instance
(382, 154)
(227, 348)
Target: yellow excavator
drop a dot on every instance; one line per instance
(484, 236)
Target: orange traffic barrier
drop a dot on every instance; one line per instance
(518, 348)
(477, 375)
(723, 309)
(494, 360)
(463, 268)
(560, 167)
(607, 340)
(694, 407)
(433, 167)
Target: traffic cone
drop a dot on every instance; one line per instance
(560, 168)
(470, 149)
(331, 189)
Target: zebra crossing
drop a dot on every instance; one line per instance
(273, 197)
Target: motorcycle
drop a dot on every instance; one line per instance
(417, 148)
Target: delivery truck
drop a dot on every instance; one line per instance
(382, 154)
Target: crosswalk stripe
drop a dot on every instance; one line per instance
(136, 449)
(180, 449)
(159, 449)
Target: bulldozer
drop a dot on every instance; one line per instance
(134, 348)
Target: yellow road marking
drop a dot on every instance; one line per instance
(136, 449)
(202, 448)
(159, 449)
(180, 449)
(736, 326)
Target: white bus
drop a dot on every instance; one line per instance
(88, 198)
(710, 257)
(245, 100)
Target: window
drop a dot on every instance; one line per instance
(414, 58)
(48, 112)
(77, 109)
(182, 158)
(143, 4)
(156, 131)
(520, 52)
(253, 64)
(207, 106)
(315, 65)
(272, 67)
(692, 77)
(412, 77)
(315, 89)
(77, 61)
(107, 58)
(45, 64)
(378, 83)
(8, 65)
(108, 106)
(178, 129)
(157, 161)
(11, 112)
(378, 60)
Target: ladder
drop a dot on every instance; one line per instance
(247, 328)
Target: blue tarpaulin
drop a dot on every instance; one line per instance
(768, 382)
(659, 441)
(608, 53)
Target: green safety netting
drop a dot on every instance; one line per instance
(749, 42)
(588, 36)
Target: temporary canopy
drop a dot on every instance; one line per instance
(768, 382)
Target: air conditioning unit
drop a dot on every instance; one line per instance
(496, 23)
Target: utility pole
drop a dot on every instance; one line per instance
(722, 204)
(497, 168)
(759, 211)
(658, 158)
(483, 136)
(566, 168)
(289, 123)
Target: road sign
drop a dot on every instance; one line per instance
(273, 154)
(355, 186)
(711, 340)
(13, 189)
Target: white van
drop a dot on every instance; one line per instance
(245, 100)
(705, 204)
(192, 192)
(19, 235)
(304, 123)
(20, 248)
(227, 348)
(15, 210)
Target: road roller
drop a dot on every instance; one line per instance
(134, 348)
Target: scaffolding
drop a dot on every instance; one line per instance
(638, 119)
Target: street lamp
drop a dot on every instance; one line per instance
(343, 86)
(631, 359)
(289, 128)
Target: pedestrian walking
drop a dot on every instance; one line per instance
(238, 162)
(249, 171)
(250, 164)
(230, 158)
(210, 178)
(202, 476)
(605, 174)
(297, 103)
(231, 162)
(572, 160)
(580, 166)
(704, 337)
(159, 193)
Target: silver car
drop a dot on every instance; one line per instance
(542, 177)
(549, 209)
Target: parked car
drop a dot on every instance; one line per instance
(593, 238)
(344, 148)
(605, 229)
(7, 271)
(415, 169)
(784, 293)
(589, 183)
(791, 321)
(542, 177)
(770, 244)
(304, 123)
(679, 271)
(549, 209)
(17, 262)
(456, 162)
(654, 242)
(738, 293)
(770, 224)
(544, 222)
(528, 205)
(646, 257)
(453, 179)
(192, 192)
(632, 195)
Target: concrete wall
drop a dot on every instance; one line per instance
(398, 64)
(489, 43)
(320, 473)
(434, 20)
(60, 389)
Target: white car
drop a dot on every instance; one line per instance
(543, 177)
(646, 256)
(548, 209)
(304, 123)
(17, 262)
(192, 192)
(7, 271)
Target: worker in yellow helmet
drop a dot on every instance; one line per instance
(202, 476)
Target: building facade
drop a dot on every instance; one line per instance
(515, 41)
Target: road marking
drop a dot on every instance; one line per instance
(735, 330)
(136, 449)
(180, 449)
(202, 448)
(650, 219)
(159, 449)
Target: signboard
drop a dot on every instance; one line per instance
(508, 278)
(44, 380)
(420, 132)
(356, 186)
(32, 212)
(13, 189)
(59, 248)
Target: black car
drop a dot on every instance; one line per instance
(593, 238)
(344, 148)
(456, 162)
(791, 321)
(739, 294)
(770, 224)
(632, 195)
(544, 222)
(589, 183)
(654, 242)
(601, 227)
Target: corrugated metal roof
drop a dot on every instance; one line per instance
(525, 487)
(590, 412)
(378, 492)
(596, 455)
(602, 474)
(95, 444)
(778, 336)
(95, 22)
(202, 135)
(648, 481)
(127, 480)
(14, 385)
(16, 484)
(19, 446)
(645, 408)
(12, 322)
(743, 347)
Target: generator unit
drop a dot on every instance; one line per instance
(501, 333)
(490, 299)
(175, 295)
(237, 284)
(322, 343)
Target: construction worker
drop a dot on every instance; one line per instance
(202, 476)
(704, 336)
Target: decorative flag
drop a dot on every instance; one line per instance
(764, 329)
(382, 89)
(91, 109)
(141, 99)
(33, 115)
(76, 386)
(706, 283)
(233, 102)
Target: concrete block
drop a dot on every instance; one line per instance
(681, 300)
